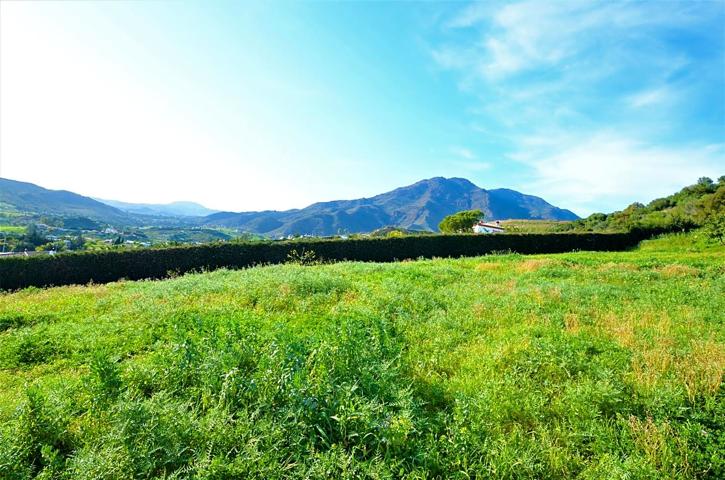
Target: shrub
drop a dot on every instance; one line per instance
(113, 265)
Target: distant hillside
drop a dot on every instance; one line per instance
(420, 206)
(174, 209)
(26, 197)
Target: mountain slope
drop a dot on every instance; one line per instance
(29, 198)
(174, 209)
(420, 206)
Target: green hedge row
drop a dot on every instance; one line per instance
(109, 266)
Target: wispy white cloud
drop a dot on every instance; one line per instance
(650, 97)
(559, 81)
(468, 160)
(471, 15)
(463, 152)
(527, 35)
(613, 168)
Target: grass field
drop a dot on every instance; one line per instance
(532, 226)
(586, 365)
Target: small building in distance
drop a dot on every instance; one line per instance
(488, 227)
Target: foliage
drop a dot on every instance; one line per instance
(460, 222)
(712, 213)
(110, 265)
(578, 365)
(692, 207)
(33, 235)
(80, 223)
(391, 231)
(77, 243)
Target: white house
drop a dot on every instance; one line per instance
(488, 227)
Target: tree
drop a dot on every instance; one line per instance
(33, 236)
(712, 214)
(460, 222)
(78, 242)
(705, 181)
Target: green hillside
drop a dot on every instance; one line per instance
(579, 365)
(26, 198)
(697, 205)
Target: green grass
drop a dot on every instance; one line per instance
(11, 229)
(533, 226)
(580, 365)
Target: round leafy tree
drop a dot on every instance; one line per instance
(460, 222)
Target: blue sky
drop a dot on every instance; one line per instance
(244, 106)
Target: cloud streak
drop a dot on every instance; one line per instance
(614, 168)
(561, 81)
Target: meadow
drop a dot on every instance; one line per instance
(579, 365)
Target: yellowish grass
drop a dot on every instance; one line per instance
(554, 293)
(349, 296)
(678, 270)
(488, 267)
(653, 363)
(503, 288)
(703, 368)
(649, 336)
(533, 265)
(651, 438)
(571, 323)
(617, 328)
(285, 289)
(628, 329)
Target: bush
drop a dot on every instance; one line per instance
(113, 265)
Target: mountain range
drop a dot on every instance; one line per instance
(173, 209)
(420, 206)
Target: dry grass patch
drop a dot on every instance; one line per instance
(554, 293)
(678, 270)
(571, 323)
(702, 369)
(488, 267)
(651, 364)
(649, 336)
(653, 440)
(617, 328)
(503, 288)
(533, 265)
(630, 329)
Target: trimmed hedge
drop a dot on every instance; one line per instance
(109, 266)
